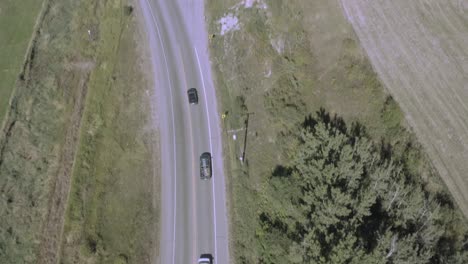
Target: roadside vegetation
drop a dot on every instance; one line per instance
(77, 171)
(112, 214)
(276, 64)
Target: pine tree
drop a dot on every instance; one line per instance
(342, 201)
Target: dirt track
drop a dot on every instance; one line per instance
(420, 51)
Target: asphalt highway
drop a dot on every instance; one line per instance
(193, 217)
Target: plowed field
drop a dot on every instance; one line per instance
(420, 51)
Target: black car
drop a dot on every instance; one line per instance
(205, 259)
(192, 96)
(205, 166)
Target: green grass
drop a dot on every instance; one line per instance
(113, 170)
(33, 140)
(112, 213)
(17, 19)
(320, 65)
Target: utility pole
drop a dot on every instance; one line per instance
(245, 137)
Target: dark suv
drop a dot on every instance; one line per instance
(205, 166)
(205, 259)
(192, 96)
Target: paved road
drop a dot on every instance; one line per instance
(194, 219)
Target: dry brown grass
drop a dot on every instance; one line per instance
(420, 52)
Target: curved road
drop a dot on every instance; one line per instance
(193, 217)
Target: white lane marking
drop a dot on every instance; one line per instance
(211, 151)
(173, 134)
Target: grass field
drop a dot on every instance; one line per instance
(286, 60)
(419, 49)
(79, 114)
(112, 210)
(17, 20)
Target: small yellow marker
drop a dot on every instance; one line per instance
(223, 116)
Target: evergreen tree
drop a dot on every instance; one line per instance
(342, 201)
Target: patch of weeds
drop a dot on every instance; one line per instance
(128, 10)
(391, 116)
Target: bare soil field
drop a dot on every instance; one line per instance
(419, 49)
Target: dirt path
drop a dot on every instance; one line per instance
(420, 51)
(53, 226)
